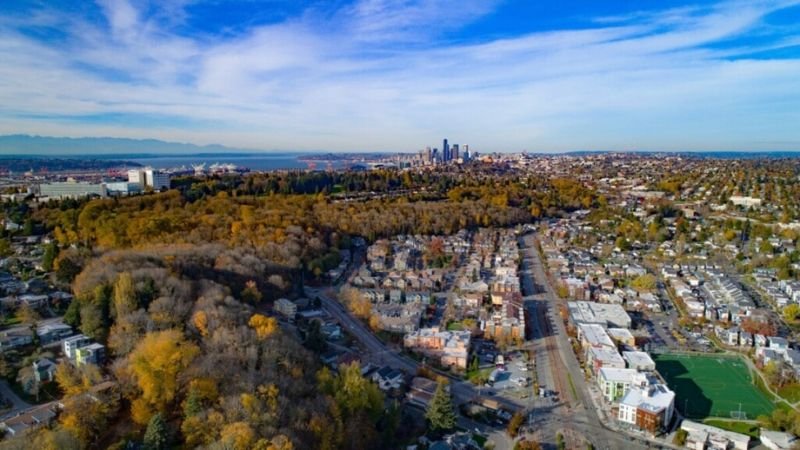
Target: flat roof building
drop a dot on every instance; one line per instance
(649, 408)
(71, 189)
(640, 361)
(603, 314)
(706, 436)
(594, 335)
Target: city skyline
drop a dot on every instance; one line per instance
(374, 75)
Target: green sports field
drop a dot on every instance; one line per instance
(714, 385)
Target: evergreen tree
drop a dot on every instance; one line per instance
(73, 315)
(441, 414)
(474, 366)
(315, 340)
(50, 253)
(155, 438)
(193, 405)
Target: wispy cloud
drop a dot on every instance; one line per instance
(383, 74)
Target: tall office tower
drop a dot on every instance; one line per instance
(467, 156)
(428, 155)
(454, 152)
(435, 155)
(445, 151)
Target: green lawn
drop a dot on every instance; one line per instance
(10, 321)
(455, 326)
(749, 429)
(712, 386)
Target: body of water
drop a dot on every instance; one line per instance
(275, 161)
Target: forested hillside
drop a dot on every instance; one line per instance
(176, 285)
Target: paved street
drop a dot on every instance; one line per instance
(17, 403)
(379, 353)
(574, 415)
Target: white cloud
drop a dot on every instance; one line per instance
(376, 77)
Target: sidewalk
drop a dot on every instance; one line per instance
(610, 423)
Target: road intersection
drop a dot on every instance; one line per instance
(573, 414)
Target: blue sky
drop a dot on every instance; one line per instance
(401, 74)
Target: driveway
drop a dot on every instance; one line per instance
(17, 403)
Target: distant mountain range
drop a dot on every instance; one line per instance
(101, 148)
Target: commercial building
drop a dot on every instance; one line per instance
(622, 336)
(744, 201)
(599, 357)
(616, 382)
(123, 188)
(648, 408)
(594, 335)
(149, 177)
(777, 440)
(71, 189)
(157, 180)
(640, 361)
(605, 315)
(701, 436)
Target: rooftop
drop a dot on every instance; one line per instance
(595, 335)
(695, 427)
(599, 313)
(638, 359)
(654, 398)
(618, 375)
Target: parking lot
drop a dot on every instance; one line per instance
(514, 376)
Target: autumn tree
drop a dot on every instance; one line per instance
(27, 315)
(74, 380)
(352, 392)
(264, 326)
(124, 295)
(43, 438)
(357, 303)
(514, 424)
(87, 417)
(644, 283)
(251, 294)
(356, 405)
(155, 364)
(200, 321)
(237, 436)
(758, 326)
(791, 312)
(527, 445)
